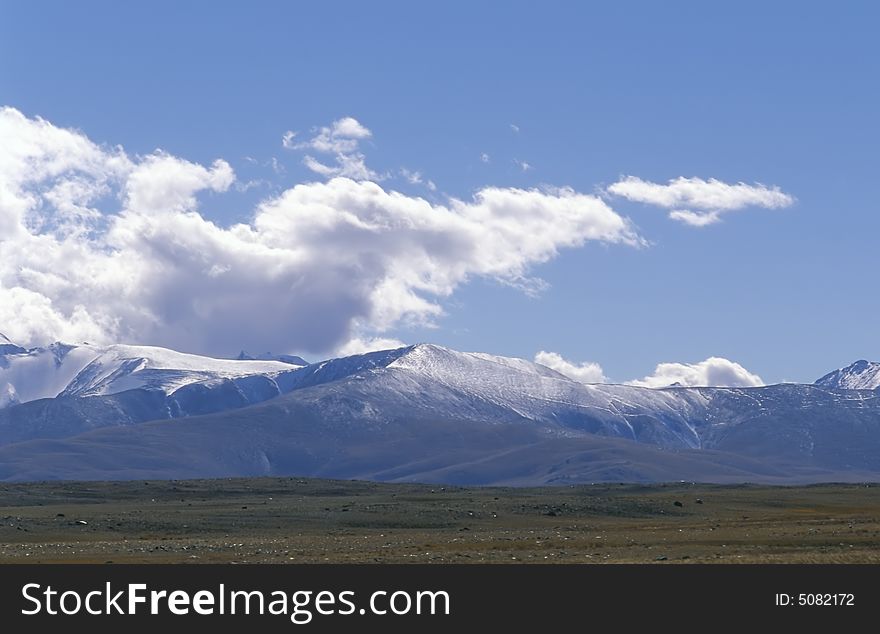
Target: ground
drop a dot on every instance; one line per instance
(295, 520)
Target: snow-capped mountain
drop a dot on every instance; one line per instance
(7, 347)
(498, 390)
(861, 375)
(268, 356)
(429, 413)
(87, 370)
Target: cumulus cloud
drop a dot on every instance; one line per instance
(699, 202)
(514, 128)
(583, 373)
(522, 165)
(164, 183)
(97, 245)
(713, 372)
(484, 157)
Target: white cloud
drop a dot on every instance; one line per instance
(350, 128)
(713, 372)
(694, 219)
(66, 168)
(412, 177)
(522, 165)
(316, 266)
(359, 345)
(342, 139)
(162, 183)
(699, 202)
(484, 157)
(514, 128)
(287, 139)
(347, 165)
(583, 373)
(320, 168)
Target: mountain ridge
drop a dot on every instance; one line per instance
(432, 413)
(860, 375)
(67, 370)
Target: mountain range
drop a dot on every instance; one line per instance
(416, 413)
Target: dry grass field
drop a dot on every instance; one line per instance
(293, 520)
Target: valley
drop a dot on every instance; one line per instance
(297, 520)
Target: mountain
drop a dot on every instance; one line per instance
(268, 356)
(86, 370)
(861, 375)
(8, 348)
(428, 413)
(61, 390)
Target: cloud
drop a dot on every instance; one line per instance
(522, 165)
(163, 183)
(67, 168)
(98, 245)
(359, 345)
(484, 157)
(713, 372)
(347, 165)
(287, 139)
(514, 128)
(341, 139)
(414, 177)
(583, 373)
(694, 219)
(699, 202)
(411, 176)
(349, 128)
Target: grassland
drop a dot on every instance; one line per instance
(292, 520)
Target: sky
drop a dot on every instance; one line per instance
(629, 191)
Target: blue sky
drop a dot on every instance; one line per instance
(783, 94)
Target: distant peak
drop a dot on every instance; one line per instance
(8, 347)
(430, 347)
(860, 375)
(290, 359)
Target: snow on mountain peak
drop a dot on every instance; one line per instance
(861, 375)
(119, 368)
(8, 347)
(87, 370)
(434, 360)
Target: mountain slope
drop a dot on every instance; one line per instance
(122, 385)
(87, 370)
(428, 413)
(861, 375)
(7, 347)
